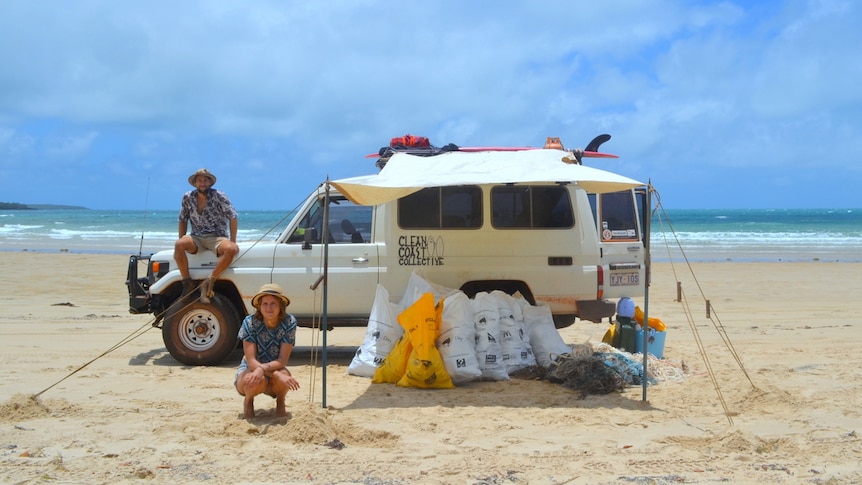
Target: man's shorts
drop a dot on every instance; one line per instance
(209, 241)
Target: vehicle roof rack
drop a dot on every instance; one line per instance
(429, 151)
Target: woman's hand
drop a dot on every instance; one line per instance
(289, 381)
(254, 377)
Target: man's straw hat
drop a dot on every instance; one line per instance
(204, 172)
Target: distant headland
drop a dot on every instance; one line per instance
(27, 207)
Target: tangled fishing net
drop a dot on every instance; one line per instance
(603, 369)
(588, 375)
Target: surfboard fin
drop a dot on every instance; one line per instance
(593, 146)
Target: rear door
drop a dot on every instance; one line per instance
(621, 242)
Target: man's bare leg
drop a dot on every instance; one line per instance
(207, 290)
(184, 245)
(226, 251)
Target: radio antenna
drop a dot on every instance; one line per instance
(146, 201)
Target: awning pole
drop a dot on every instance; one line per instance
(324, 322)
(648, 270)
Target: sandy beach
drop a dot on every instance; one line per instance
(782, 407)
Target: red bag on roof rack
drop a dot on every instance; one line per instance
(409, 141)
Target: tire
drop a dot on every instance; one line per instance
(198, 334)
(563, 321)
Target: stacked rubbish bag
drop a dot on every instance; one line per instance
(437, 337)
(627, 330)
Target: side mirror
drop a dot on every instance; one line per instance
(310, 237)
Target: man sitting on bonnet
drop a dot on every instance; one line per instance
(209, 212)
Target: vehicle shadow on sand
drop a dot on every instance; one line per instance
(515, 393)
(301, 355)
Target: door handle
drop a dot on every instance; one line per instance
(360, 260)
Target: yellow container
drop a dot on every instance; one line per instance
(653, 322)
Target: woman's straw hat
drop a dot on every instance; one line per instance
(269, 289)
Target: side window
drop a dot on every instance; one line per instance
(309, 225)
(552, 207)
(420, 209)
(537, 207)
(510, 206)
(617, 216)
(348, 223)
(457, 207)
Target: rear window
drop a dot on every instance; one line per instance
(457, 207)
(616, 212)
(531, 206)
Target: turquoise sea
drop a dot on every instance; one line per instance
(698, 235)
(757, 235)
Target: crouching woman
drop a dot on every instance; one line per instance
(268, 337)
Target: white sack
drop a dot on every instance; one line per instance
(457, 339)
(514, 341)
(418, 286)
(381, 335)
(489, 354)
(544, 336)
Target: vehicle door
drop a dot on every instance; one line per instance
(352, 259)
(622, 251)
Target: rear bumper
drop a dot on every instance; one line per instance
(595, 310)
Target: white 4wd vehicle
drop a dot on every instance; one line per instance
(547, 237)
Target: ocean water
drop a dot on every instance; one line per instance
(106, 231)
(740, 235)
(757, 235)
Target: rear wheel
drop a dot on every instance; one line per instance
(511, 287)
(198, 334)
(563, 321)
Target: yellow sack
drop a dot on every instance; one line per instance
(655, 323)
(425, 367)
(394, 365)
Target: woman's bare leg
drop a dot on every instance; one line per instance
(248, 407)
(249, 391)
(279, 387)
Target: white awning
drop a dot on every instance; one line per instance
(404, 174)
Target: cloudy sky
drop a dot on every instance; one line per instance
(737, 104)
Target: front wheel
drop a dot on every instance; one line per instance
(198, 334)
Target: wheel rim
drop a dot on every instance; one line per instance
(199, 330)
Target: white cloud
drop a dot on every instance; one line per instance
(69, 147)
(170, 86)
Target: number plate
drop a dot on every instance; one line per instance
(625, 279)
